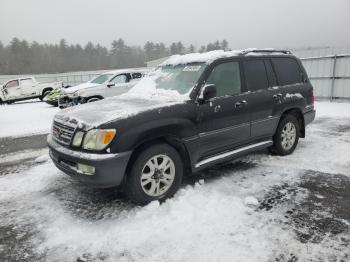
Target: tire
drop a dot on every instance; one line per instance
(286, 137)
(45, 93)
(92, 99)
(154, 187)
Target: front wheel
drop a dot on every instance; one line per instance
(286, 137)
(156, 174)
(45, 93)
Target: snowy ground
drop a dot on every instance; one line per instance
(25, 118)
(262, 208)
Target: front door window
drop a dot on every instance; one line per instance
(11, 84)
(227, 79)
(120, 79)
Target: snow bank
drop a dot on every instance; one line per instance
(40, 154)
(202, 223)
(26, 118)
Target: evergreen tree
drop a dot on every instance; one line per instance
(20, 57)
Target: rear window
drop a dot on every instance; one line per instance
(287, 70)
(255, 74)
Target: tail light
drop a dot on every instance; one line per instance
(312, 96)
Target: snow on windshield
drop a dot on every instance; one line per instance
(101, 79)
(168, 83)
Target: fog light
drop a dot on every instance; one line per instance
(86, 170)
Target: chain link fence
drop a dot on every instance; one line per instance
(72, 78)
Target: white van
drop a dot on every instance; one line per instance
(108, 84)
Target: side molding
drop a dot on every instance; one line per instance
(233, 152)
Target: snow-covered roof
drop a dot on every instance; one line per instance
(121, 71)
(211, 56)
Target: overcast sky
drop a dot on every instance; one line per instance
(244, 23)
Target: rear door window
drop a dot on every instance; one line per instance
(255, 74)
(227, 79)
(120, 79)
(26, 82)
(288, 70)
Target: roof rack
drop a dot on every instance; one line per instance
(244, 52)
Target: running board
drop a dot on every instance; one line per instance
(230, 153)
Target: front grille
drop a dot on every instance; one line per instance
(62, 99)
(62, 133)
(67, 101)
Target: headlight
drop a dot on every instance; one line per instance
(78, 138)
(98, 139)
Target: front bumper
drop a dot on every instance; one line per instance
(52, 102)
(68, 101)
(109, 168)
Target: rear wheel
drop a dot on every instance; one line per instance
(286, 137)
(156, 174)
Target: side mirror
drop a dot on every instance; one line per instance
(110, 84)
(208, 92)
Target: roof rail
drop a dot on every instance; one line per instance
(247, 51)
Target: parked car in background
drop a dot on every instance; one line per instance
(25, 88)
(108, 84)
(202, 109)
(52, 97)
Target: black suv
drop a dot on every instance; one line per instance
(203, 109)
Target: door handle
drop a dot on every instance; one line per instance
(241, 104)
(277, 97)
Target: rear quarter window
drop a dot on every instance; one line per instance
(288, 71)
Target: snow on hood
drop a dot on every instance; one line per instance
(73, 89)
(94, 114)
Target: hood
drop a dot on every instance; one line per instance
(71, 90)
(94, 114)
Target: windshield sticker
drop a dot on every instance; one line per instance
(191, 68)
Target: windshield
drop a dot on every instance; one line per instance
(101, 79)
(180, 78)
